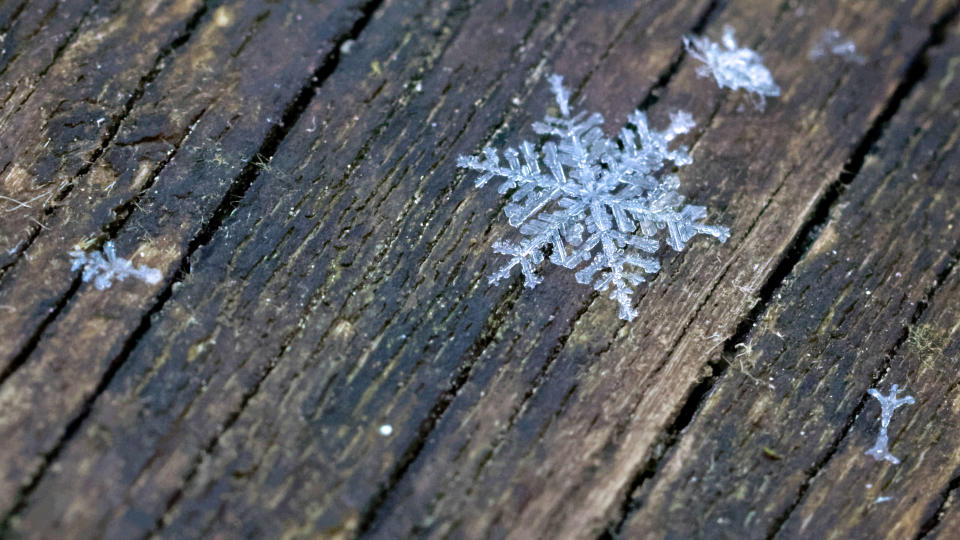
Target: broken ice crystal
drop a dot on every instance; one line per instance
(733, 67)
(831, 42)
(105, 267)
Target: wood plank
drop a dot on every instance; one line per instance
(64, 90)
(837, 327)
(210, 399)
(175, 159)
(305, 393)
(403, 328)
(338, 466)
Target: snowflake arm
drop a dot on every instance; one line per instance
(593, 200)
(731, 66)
(657, 212)
(104, 267)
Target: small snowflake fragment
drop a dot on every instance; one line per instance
(888, 404)
(831, 42)
(733, 67)
(105, 267)
(599, 201)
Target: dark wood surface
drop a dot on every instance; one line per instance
(290, 167)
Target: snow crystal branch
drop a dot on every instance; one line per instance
(105, 267)
(733, 67)
(598, 201)
(888, 404)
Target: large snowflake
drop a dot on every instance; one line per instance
(600, 201)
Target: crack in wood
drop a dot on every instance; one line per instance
(13, 17)
(3, 31)
(934, 520)
(358, 158)
(34, 339)
(56, 53)
(653, 96)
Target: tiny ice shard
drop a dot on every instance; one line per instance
(888, 404)
(733, 67)
(831, 42)
(105, 267)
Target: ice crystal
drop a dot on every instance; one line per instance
(888, 404)
(105, 267)
(733, 67)
(600, 201)
(831, 42)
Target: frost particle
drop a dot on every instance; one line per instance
(590, 199)
(104, 267)
(386, 430)
(733, 67)
(831, 42)
(888, 404)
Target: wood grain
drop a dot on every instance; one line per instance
(65, 89)
(169, 162)
(290, 167)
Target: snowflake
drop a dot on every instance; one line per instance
(888, 404)
(600, 201)
(104, 267)
(732, 67)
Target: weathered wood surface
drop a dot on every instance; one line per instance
(871, 303)
(290, 167)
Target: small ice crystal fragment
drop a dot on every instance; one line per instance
(386, 430)
(733, 67)
(831, 42)
(105, 267)
(888, 404)
(594, 200)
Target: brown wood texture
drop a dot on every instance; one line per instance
(290, 167)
